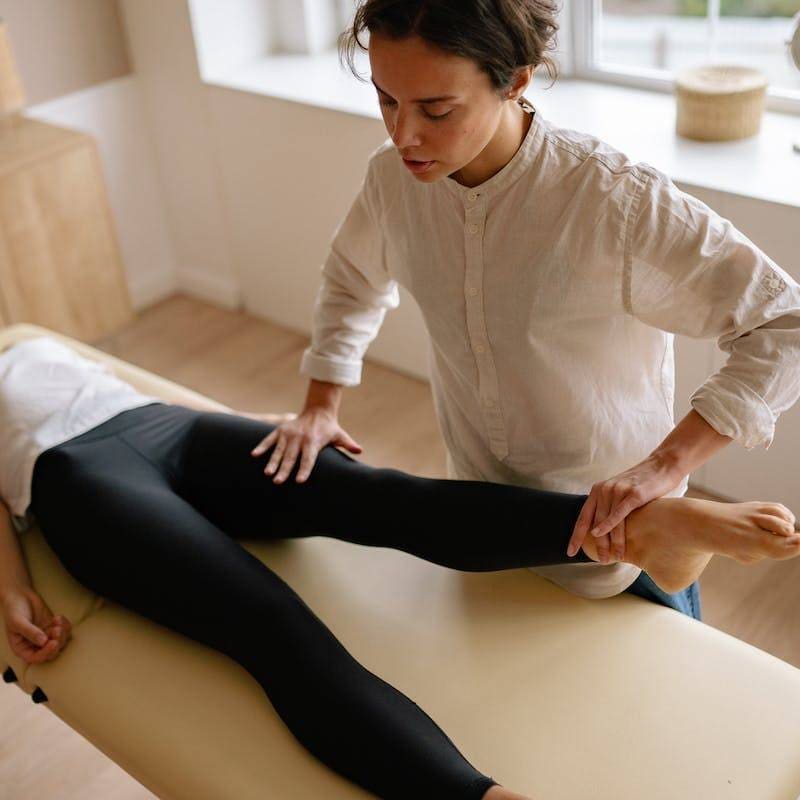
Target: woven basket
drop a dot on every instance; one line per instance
(720, 103)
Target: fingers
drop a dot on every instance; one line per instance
(46, 653)
(582, 524)
(35, 635)
(603, 542)
(298, 441)
(285, 454)
(618, 541)
(306, 462)
(287, 464)
(58, 635)
(348, 443)
(265, 443)
(620, 510)
(277, 455)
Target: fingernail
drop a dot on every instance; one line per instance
(570, 551)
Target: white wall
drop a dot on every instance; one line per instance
(290, 173)
(114, 114)
(63, 46)
(229, 35)
(164, 59)
(73, 59)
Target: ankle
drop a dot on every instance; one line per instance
(638, 525)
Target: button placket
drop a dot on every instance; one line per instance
(474, 221)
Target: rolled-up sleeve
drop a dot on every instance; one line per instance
(355, 293)
(688, 270)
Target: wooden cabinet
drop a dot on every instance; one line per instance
(60, 264)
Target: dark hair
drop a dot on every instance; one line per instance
(501, 36)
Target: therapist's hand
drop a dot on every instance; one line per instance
(609, 503)
(303, 438)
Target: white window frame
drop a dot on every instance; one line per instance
(585, 47)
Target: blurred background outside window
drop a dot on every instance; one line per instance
(671, 35)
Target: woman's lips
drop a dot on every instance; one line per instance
(418, 166)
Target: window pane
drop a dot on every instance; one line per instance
(658, 34)
(759, 28)
(672, 35)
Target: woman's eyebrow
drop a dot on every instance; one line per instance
(422, 99)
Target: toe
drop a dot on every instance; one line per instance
(775, 524)
(778, 510)
(789, 546)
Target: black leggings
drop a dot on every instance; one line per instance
(147, 510)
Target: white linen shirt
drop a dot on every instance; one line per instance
(49, 394)
(551, 293)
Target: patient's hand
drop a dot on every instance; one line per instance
(33, 633)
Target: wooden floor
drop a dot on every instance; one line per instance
(252, 365)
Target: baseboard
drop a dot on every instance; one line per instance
(224, 292)
(148, 290)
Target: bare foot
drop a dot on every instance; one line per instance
(673, 538)
(501, 793)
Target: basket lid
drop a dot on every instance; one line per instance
(721, 79)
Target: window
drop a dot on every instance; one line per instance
(642, 43)
(646, 43)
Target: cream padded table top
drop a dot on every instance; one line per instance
(551, 694)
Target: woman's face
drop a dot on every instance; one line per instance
(439, 108)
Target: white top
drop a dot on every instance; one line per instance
(49, 394)
(551, 293)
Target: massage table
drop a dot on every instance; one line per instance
(553, 695)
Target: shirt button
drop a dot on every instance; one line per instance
(472, 290)
(479, 348)
(472, 196)
(473, 228)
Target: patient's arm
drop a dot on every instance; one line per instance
(13, 571)
(33, 633)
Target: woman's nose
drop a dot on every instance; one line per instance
(404, 133)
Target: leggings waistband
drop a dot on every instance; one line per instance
(131, 418)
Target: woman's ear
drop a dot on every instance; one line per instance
(520, 83)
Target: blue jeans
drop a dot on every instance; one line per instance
(687, 600)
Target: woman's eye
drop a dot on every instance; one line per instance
(384, 102)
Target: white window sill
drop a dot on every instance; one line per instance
(638, 122)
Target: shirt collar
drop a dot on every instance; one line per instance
(519, 162)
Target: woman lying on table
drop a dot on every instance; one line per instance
(146, 503)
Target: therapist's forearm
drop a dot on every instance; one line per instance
(13, 571)
(689, 445)
(323, 395)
